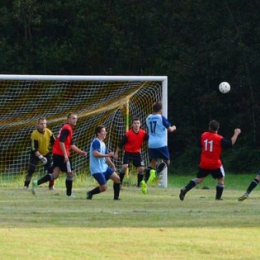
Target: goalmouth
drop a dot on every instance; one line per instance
(95, 99)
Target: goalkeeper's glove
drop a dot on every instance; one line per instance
(43, 159)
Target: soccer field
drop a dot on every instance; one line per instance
(153, 226)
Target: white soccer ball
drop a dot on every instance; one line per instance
(224, 87)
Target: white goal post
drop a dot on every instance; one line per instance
(96, 99)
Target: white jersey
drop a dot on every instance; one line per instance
(157, 125)
(97, 165)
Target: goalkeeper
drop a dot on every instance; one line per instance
(42, 139)
(132, 142)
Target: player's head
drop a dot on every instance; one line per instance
(101, 132)
(213, 125)
(72, 119)
(136, 123)
(42, 124)
(157, 107)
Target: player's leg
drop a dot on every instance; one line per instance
(139, 164)
(251, 186)
(49, 168)
(115, 178)
(101, 180)
(219, 174)
(58, 162)
(69, 178)
(125, 165)
(193, 183)
(32, 166)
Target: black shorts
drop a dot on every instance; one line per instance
(135, 158)
(216, 173)
(48, 166)
(58, 161)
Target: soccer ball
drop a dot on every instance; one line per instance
(224, 87)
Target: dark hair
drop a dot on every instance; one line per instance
(136, 119)
(70, 114)
(98, 129)
(157, 107)
(213, 125)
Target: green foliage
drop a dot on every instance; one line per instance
(197, 44)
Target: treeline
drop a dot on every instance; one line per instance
(197, 44)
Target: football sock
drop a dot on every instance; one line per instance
(69, 185)
(191, 185)
(147, 173)
(219, 191)
(140, 177)
(161, 167)
(252, 185)
(45, 178)
(116, 187)
(51, 183)
(95, 191)
(121, 176)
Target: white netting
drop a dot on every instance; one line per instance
(95, 102)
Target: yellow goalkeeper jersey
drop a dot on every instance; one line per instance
(42, 141)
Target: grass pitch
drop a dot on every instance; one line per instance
(153, 226)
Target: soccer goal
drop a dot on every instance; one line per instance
(109, 100)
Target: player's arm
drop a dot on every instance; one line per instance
(228, 143)
(77, 150)
(62, 138)
(35, 147)
(167, 124)
(120, 146)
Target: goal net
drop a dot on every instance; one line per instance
(108, 100)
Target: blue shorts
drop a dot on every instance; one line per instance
(159, 153)
(103, 177)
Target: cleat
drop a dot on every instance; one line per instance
(71, 196)
(52, 188)
(152, 176)
(143, 187)
(117, 198)
(242, 198)
(182, 194)
(34, 187)
(89, 196)
(25, 187)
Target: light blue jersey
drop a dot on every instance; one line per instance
(97, 165)
(157, 125)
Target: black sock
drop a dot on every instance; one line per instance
(140, 177)
(190, 185)
(116, 187)
(95, 191)
(69, 186)
(121, 176)
(147, 173)
(252, 185)
(44, 179)
(219, 191)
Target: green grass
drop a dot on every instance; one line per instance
(153, 226)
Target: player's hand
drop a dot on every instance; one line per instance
(43, 159)
(116, 156)
(237, 131)
(83, 153)
(111, 154)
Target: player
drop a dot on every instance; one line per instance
(212, 144)
(61, 156)
(158, 127)
(99, 161)
(132, 142)
(42, 139)
(251, 186)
